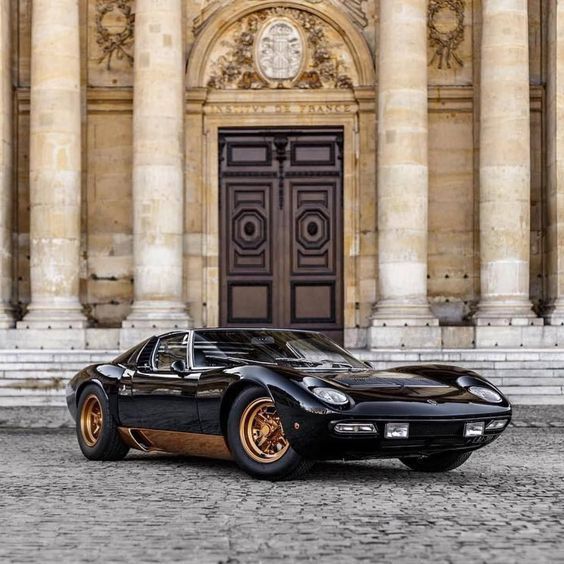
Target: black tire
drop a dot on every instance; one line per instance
(104, 443)
(442, 462)
(289, 466)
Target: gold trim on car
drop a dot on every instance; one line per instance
(261, 432)
(91, 420)
(188, 444)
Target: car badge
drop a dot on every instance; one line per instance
(432, 402)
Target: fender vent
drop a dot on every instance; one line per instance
(140, 439)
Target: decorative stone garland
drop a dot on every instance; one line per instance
(115, 43)
(445, 42)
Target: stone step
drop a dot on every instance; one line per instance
(534, 377)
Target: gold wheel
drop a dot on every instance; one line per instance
(261, 432)
(91, 419)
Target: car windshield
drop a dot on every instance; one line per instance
(291, 348)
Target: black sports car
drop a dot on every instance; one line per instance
(277, 400)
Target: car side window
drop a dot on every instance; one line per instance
(170, 348)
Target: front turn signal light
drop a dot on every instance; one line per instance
(355, 429)
(497, 424)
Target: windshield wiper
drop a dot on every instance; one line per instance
(297, 360)
(239, 361)
(336, 363)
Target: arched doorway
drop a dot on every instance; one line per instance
(262, 68)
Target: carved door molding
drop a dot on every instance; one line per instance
(281, 228)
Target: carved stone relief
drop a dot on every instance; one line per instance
(115, 27)
(446, 32)
(354, 9)
(280, 48)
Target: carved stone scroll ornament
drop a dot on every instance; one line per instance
(274, 36)
(446, 32)
(115, 40)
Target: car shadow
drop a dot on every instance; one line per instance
(333, 472)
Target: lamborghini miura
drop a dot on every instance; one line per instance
(276, 401)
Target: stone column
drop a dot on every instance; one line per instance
(402, 165)
(158, 189)
(55, 166)
(555, 154)
(505, 170)
(6, 318)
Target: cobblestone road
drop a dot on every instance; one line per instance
(505, 505)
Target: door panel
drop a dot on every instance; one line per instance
(160, 399)
(281, 229)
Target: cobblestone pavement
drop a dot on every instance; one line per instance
(505, 505)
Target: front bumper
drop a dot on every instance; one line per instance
(313, 436)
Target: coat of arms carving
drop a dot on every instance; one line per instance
(280, 50)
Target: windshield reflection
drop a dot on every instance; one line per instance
(296, 349)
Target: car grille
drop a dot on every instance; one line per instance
(419, 429)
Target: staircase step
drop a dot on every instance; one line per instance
(532, 377)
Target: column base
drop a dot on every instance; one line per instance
(501, 314)
(390, 337)
(157, 315)
(63, 316)
(6, 317)
(394, 314)
(555, 313)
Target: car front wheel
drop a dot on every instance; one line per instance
(96, 429)
(257, 441)
(442, 462)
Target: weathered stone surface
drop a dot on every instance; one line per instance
(505, 169)
(158, 187)
(6, 148)
(55, 167)
(403, 176)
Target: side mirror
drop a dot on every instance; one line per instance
(179, 367)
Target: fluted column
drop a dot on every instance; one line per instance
(403, 165)
(555, 160)
(158, 191)
(505, 171)
(6, 318)
(55, 166)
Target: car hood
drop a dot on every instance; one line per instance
(440, 383)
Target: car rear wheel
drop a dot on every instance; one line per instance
(257, 441)
(96, 429)
(442, 462)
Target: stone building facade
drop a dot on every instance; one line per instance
(432, 219)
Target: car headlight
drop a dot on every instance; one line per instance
(486, 394)
(329, 395)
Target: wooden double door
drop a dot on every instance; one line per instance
(281, 229)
